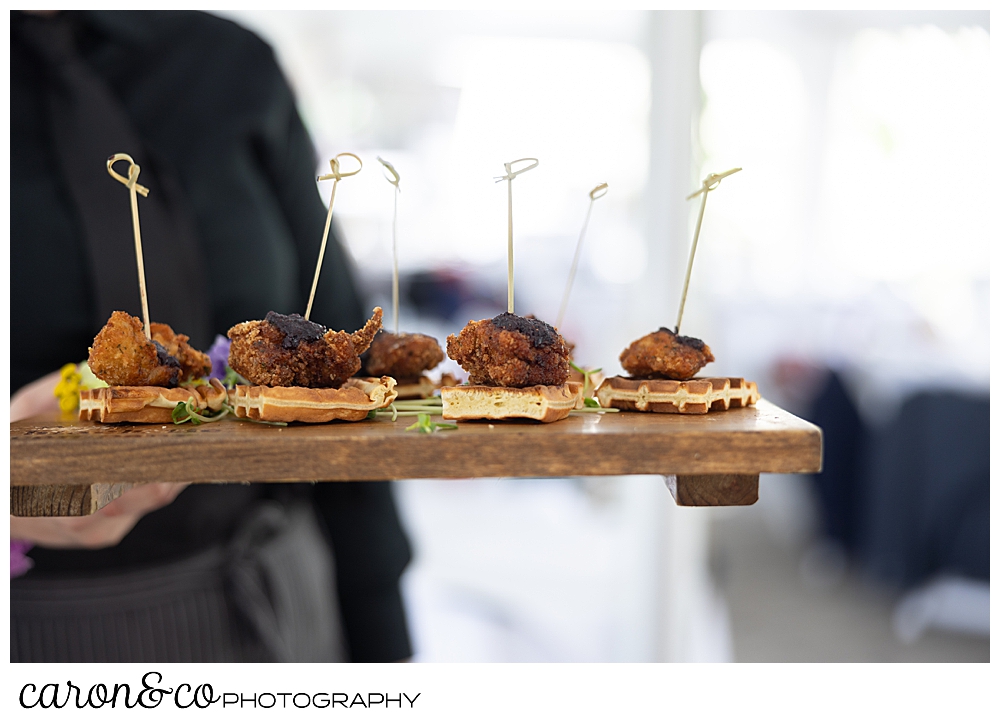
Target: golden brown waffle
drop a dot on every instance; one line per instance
(541, 403)
(147, 405)
(696, 396)
(350, 403)
(424, 387)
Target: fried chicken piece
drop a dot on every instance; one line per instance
(289, 351)
(194, 364)
(664, 355)
(122, 356)
(402, 356)
(511, 351)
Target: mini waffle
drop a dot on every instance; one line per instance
(149, 405)
(424, 387)
(350, 403)
(666, 396)
(541, 403)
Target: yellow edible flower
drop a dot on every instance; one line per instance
(67, 391)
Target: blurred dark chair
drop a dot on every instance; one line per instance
(908, 500)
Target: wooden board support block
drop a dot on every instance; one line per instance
(64, 500)
(713, 490)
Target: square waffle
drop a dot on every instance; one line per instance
(350, 403)
(666, 396)
(148, 405)
(541, 403)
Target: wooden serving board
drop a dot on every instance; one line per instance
(711, 459)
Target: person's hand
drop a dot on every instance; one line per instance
(104, 528)
(35, 398)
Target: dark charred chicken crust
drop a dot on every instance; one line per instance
(665, 355)
(511, 351)
(289, 351)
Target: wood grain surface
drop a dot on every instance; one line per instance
(63, 500)
(713, 490)
(765, 438)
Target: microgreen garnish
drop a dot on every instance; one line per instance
(186, 412)
(232, 378)
(409, 408)
(591, 402)
(262, 421)
(588, 388)
(424, 425)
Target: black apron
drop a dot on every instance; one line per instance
(266, 596)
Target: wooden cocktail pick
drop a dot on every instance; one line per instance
(393, 177)
(598, 192)
(133, 187)
(509, 177)
(711, 182)
(335, 175)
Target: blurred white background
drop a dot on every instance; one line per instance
(856, 236)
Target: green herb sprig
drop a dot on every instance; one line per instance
(231, 379)
(409, 408)
(424, 425)
(186, 412)
(588, 387)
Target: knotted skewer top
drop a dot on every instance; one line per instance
(389, 171)
(511, 174)
(133, 173)
(712, 181)
(598, 191)
(335, 173)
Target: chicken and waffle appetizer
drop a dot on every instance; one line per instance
(147, 378)
(517, 367)
(300, 371)
(661, 369)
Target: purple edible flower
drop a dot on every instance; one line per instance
(219, 354)
(20, 563)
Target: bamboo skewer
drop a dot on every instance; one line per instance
(509, 177)
(131, 183)
(335, 174)
(711, 182)
(393, 177)
(598, 192)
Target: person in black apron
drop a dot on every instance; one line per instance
(222, 573)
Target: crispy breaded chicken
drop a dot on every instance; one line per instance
(664, 355)
(194, 364)
(403, 357)
(511, 351)
(289, 351)
(123, 356)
